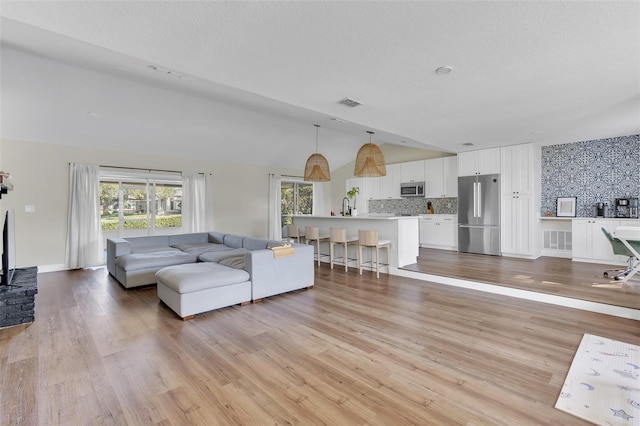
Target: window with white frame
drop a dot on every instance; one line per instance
(136, 202)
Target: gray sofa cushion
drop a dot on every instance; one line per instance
(216, 237)
(152, 249)
(236, 262)
(199, 276)
(196, 238)
(234, 241)
(217, 256)
(135, 261)
(254, 243)
(154, 241)
(198, 249)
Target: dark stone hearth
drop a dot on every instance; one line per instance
(17, 301)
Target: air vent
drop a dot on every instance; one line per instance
(351, 103)
(166, 71)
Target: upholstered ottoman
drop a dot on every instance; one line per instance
(200, 287)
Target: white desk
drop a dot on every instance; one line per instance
(630, 237)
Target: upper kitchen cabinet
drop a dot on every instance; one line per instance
(412, 171)
(390, 184)
(517, 164)
(481, 162)
(441, 177)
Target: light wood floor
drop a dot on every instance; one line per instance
(550, 275)
(351, 351)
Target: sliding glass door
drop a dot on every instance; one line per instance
(131, 208)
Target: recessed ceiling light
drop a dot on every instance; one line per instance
(467, 144)
(339, 120)
(121, 68)
(443, 70)
(92, 114)
(535, 132)
(403, 142)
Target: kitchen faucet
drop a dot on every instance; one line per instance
(345, 211)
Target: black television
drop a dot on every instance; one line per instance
(8, 248)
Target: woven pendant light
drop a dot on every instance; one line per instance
(317, 167)
(370, 161)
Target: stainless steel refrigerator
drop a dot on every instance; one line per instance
(479, 214)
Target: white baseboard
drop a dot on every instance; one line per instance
(52, 268)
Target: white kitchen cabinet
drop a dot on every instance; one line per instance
(439, 231)
(390, 184)
(516, 167)
(518, 211)
(413, 171)
(441, 177)
(517, 217)
(589, 242)
(481, 162)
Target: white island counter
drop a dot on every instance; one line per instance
(403, 231)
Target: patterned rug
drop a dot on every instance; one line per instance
(603, 383)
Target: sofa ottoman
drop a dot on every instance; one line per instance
(200, 287)
(137, 269)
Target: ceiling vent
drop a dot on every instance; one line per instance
(351, 103)
(166, 71)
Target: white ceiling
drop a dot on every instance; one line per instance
(257, 75)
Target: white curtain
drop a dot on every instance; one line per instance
(318, 199)
(208, 208)
(275, 212)
(84, 236)
(193, 202)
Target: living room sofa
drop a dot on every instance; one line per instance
(134, 261)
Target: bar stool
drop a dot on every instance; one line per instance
(370, 239)
(339, 236)
(312, 235)
(293, 231)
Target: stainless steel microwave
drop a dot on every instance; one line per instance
(412, 189)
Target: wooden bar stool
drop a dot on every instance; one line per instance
(339, 236)
(370, 239)
(312, 235)
(293, 231)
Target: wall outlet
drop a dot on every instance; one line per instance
(29, 209)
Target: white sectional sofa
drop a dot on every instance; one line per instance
(244, 262)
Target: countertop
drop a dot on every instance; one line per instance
(586, 217)
(362, 216)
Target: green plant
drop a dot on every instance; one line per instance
(352, 193)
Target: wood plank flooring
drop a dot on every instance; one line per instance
(550, 275)
(351, 351)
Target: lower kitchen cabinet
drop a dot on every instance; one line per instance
(439, 231)
(589, 242)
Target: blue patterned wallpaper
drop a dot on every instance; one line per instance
(593, 171)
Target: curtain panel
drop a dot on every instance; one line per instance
(84, 236)
(194, 202)
(275, 209)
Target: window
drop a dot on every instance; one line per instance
(136, 203)
(297, 198)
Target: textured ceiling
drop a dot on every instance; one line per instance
(257, 75)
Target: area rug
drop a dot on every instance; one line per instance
(603, 383)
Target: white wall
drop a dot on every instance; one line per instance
(40, 173)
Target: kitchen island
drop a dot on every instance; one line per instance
(402, 231)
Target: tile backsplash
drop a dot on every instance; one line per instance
(415, 205)
(596, 171)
